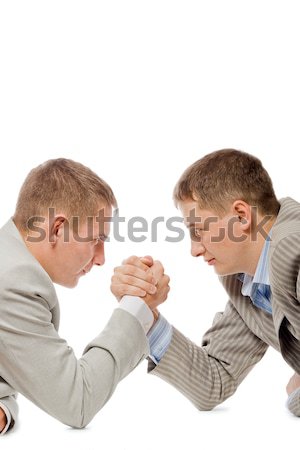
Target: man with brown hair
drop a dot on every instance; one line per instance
(57, 235)
(252, 240)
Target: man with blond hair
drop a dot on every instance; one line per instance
(57, 235)
(252, 240)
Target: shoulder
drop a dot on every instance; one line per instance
(284, 265)
(232, 284)
(20, 273)
(288, 220)
(285, 243)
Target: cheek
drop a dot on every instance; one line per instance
(236, 233)
(87, 253)
(216, 235)
(215, 240)
(219, 245)
(77, 256)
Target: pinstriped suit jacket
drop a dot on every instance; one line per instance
(240, 336)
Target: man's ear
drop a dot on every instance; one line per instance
(243, 211)
(58, 229)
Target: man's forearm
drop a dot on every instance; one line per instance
(74, 395)
(208, 374)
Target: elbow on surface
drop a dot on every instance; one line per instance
(80, 426)
(78, 423)
(207, 406)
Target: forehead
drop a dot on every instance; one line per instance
(98, 223)
(194, 215)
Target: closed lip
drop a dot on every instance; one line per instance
(87, 269)
(210, 260)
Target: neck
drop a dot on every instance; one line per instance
(36, 246)
(255, 246)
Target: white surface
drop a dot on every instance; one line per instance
(139, 90)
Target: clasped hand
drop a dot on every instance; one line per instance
(141, 277)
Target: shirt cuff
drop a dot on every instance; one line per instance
(159, 338)
(138, 308)
(293, 402)
(8, 418)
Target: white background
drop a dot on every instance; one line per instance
(138, 90)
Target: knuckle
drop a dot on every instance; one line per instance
(130, 270)
(127, 260)
(132, 259)
(114, 290)
(127, 269)
(159, 265)
(149, 277)
(149, 273)
(130, 279)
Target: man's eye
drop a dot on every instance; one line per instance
(196, 234)
(100, 239)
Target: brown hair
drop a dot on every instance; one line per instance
(65, 185)
(219, 178)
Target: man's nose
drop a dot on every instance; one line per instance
(197, 248)
(99, 256)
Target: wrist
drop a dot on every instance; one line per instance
(155, 313)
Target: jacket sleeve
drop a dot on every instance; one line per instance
(285, 278)
(39, 364)
(293, 402)
(209, 374)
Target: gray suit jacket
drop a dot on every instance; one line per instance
(240, 336)
(37, 362)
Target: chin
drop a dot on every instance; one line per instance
(223, 272)
(68, 284)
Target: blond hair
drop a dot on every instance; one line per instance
(219, 178)
(65, 185)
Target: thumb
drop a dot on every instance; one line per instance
(148, 260)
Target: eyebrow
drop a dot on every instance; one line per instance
(193, 225)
